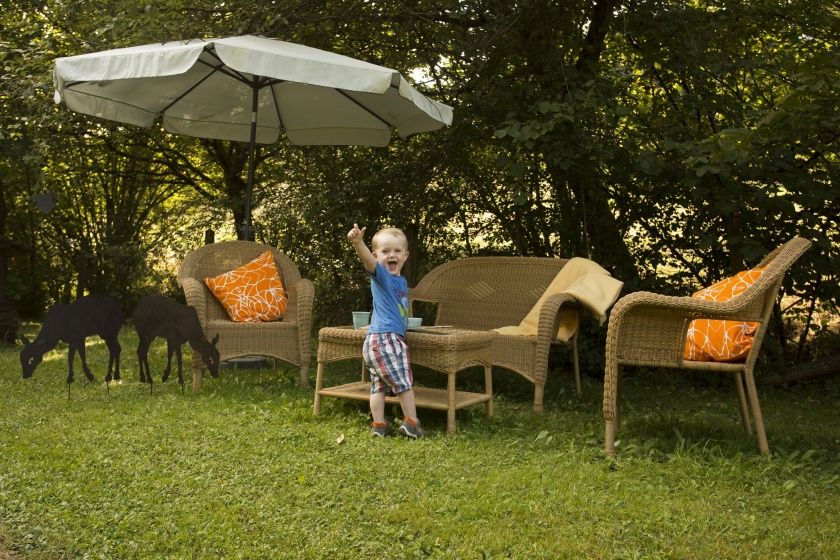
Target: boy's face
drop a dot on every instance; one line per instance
(391, 252)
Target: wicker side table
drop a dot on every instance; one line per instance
(441, 349)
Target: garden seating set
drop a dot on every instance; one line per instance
(477, 300)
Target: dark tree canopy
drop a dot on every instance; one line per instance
(674, 142)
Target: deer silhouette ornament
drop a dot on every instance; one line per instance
(159, 316)
(73, 323)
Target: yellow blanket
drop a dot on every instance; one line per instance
(587, 282)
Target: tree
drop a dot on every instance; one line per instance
(672, 141)
(114, 215)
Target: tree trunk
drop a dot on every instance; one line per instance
(598, 236)
(4, 210)
(232, 157)
(605, 237)
(824, 367)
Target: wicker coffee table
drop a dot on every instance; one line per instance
(439, 348)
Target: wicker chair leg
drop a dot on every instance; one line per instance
(304, 376)
(575, 366)
(198, 372)
(539, 391)
(611, 374)
(319, 383)
(742, 402)
(618, 384)
(609, 439)
(488, 388)
(763, 446)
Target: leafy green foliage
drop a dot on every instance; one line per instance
(705, 131)
(672, 142)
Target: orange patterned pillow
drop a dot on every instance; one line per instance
(714, 340)
(251, 293)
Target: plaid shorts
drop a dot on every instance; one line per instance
(386, 357)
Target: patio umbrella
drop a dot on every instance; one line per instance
(248, 89)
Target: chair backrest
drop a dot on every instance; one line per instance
(487, 292)
(762, 294)
(217, 258)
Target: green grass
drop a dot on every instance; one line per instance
(243, 470)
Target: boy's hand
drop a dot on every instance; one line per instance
(356, 233)
(356, 236)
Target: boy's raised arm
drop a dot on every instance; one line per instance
(356, 236)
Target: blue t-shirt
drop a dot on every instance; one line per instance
(390, 302)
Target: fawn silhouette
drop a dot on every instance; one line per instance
(157, 315)
(72, 323)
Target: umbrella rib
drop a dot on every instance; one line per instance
(123, 103)
(226, 71)
(361, 106)
(277, 106)
(187, 92)
(222, 67)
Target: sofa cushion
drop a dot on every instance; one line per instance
(715, 340)
(252, 292)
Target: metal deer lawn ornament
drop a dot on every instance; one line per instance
(73, 323)
(158, 315)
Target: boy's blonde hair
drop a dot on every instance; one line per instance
(396, 232)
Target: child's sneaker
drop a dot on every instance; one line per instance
(379, 430)
(412, 428)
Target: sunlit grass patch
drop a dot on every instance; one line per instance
(244, 470)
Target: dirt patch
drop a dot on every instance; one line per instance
(6, 554)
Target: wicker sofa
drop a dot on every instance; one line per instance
(483, 293)
(287, 340)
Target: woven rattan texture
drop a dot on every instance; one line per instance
(647, 329)
(446, 350)
(287, 340)
(482, 293)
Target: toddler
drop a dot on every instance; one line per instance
(385, 351)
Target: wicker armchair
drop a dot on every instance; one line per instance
(483, 293)
(647, 329)
(287, 340)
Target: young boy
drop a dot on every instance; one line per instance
(385, 350)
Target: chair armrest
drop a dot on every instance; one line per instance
(549, 320)
(194, 291)
(738, 308)
(301, 297)
(650, 329)
(305, 299)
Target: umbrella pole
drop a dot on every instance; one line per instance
(247, 230)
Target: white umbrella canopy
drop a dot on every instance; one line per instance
(248, 89)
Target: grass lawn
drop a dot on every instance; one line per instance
(243, 470)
